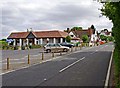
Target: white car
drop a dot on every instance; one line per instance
(51, 47)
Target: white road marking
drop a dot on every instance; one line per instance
(108, 72)
(45, 79)
(43, 61)
(92, 53)
(71, 64)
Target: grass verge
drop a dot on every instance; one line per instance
(116, 58)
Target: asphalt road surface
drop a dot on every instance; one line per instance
(86, 67)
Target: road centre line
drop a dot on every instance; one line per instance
(92, 53)
(71, 64)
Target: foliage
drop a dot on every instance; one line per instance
(110, 38)
(85, 38)
(103, 38)
(35, 46)
(92, 26)
(116, 59)
(76, 28)
(68, 39)
(3, 39)
(112, 11)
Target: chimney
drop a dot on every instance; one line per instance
(27, 30)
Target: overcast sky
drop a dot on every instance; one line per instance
(20, 15)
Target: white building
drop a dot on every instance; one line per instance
(37, 38)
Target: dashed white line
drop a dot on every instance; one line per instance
(92, 53)
(71, 65)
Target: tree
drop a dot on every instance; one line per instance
(103, 38)
(110, 38)
(68, 39)
(92, 27)
(105, 30)
(3, 39)
(112, 11)
(85, 38)
(76, 28)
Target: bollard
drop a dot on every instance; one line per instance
(52, 54)
(42, 56)
(60, 53)
(8, 63)
(28, 59)
(80, 47)
(75, 48)
(71, 49)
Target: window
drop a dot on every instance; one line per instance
(71, 35)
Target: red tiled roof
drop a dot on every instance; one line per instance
(40, 34)
(50, 34)
(18, 35)
(79, 33)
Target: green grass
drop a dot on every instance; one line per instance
(116, 58)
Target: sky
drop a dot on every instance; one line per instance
(20, 15)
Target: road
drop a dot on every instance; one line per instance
(86, 67)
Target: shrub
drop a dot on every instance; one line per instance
(116, 58)
(85, 38)
(68, 39)
(35, 46)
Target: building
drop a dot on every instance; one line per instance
(37, 38)
(91, 33)
(106, 33)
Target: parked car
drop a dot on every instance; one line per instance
(102, 42)
(67, 44)
(51, 47)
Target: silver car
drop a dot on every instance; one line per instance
(51, 47)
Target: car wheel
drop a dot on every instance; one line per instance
(65, 50)
(48, 51)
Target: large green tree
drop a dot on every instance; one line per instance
(112, 11)
(85, 38)
(76, 28)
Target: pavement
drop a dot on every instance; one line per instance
(87, 67)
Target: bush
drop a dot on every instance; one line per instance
(68, 39)
(23, 47)
(116, 58)
(16, 47)
(35, 46)
(85, 38)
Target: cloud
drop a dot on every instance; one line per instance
(18, 15)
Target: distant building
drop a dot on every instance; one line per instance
(106, 33)
(37, 38)
(92, 34)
